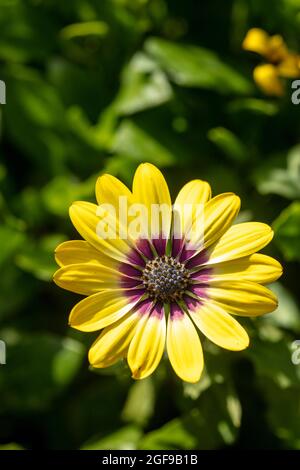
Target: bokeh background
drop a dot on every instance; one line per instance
(99, 86)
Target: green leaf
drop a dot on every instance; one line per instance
(27, 33)
(284, 182)
(38, 367)
(134, 143)
(213, 423)
(37, 258)
(282, 412)
(75, 37)
(80, 125)
(125, 438)
(11, 446)
(192, 66)
(10, 241)
(88, 28)
(63, 190)
(217, 371)
(273, 360)
(287, 314)
(36, 99)
(173, 435)
(34, 116)
(144, 85)
(67, 361)
(139, 405)
(229, 143)
(254, 105)
(10, 303)
(194, 391)
(29, 205)
(95, 408)
(287, 232)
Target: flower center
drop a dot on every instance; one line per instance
(165, 279)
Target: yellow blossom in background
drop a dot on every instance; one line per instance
(153, 294)
(281, 63)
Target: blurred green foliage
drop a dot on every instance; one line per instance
(99, 86)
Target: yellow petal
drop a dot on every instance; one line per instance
(273, 48)
(114, 340)
(100, 310)
(256, 268)
(278, 50)
(109, 190)
(79, 251)
(147, 346)
(219, 214)
(240, 240)
(87, 278)
(290, 66)
(194, 194)
(184, 348)
(243, 298)
(85, 219)
(220, 327)
(257, 40)
(267, 78)
(151, 190)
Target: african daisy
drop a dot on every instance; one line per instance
(152, 292)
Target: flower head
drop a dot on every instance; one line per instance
(281, 63)
(155, 274)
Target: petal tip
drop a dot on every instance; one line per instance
(147, 167)
(242, 345)
(191, 378)
(138, 374)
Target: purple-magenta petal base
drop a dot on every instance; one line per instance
(175, 311)
(144, 306)
(139, 276)
(158, 310)
(160, 245)
(192, 303)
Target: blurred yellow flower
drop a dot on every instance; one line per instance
(152, 293)
(281, 63)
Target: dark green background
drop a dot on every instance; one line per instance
(100, 86)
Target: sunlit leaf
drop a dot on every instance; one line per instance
(144, 85)
(193, 66)
(284, 182)
(139, 405)
(287, 314)
(253, 105)
(287, 230)
(229, 143)
(125, 438)
(136, 144)
(88, 28)
(11, 446)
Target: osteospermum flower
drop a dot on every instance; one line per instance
(156, 292)
(281, 63)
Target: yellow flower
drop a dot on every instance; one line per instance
(280, 61)
(153, 292)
